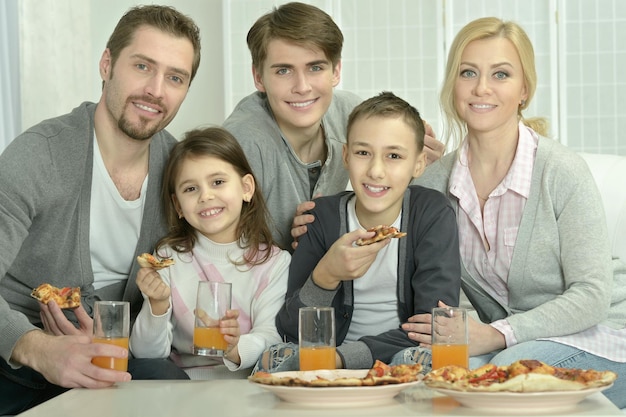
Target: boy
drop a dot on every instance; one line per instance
(373, 288)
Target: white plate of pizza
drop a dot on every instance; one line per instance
(340, 387)
(520, 402)
(523, 386)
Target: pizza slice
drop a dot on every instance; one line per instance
(379, 374)
(67, 297)
(382, 232)
(147, 260)
(527, 375)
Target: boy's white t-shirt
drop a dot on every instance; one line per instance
(375, 293)
(114, 226)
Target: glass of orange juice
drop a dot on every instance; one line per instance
(213, 299)
(316, 333)
(111, 325)
(450, 338)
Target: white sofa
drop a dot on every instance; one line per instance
(609, 172)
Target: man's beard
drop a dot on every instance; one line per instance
(141, 132)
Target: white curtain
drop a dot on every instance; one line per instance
(10, 110)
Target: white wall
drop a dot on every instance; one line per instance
(398, 45)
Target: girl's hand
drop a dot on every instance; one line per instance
(229, 327)
(158, 292)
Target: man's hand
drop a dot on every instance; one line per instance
(158, 292)
(55, 322)
(346, 261)
(433, 148)
(300, 220)
(66, 360)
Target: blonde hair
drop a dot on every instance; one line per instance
(485, 28)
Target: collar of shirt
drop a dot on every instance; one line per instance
(518, 179)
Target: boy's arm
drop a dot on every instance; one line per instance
(437, 276)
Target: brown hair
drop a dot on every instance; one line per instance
(387, 104)
(164, 18)
(299, 23)
(485, 28)
(252, 229)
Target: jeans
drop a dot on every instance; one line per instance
(278, 358)
(24, 388)
(552, 353)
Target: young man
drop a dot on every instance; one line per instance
(79, 200)
(293, 128)
(377, 287)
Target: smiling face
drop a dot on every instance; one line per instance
(299, 85)
(490, 86)
(382, 158)
(149, 82)
(209, 195)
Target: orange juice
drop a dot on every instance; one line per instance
(118, 364)
(317, 357)
(444, 355)
(209, 337)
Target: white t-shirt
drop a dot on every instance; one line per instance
(114, 226)
(375, 293)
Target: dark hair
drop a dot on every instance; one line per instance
(164, 18)
(252, 229)
(299, 23)
(387, 104)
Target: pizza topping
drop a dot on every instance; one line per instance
(382, 232)
(67, 297)
(147, 260)
(520, 376)
(379, 374)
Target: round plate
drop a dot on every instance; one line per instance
(521, 402)
(334, 396)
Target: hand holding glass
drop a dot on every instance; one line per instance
(213, 300)
(111, 325)
(316, 333)
(449, 337)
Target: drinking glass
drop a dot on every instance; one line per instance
(316, 334)
(449, 337)
(111, 325)
(213, 299)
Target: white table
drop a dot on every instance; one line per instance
(240, 398)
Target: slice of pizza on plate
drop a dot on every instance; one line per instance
(527, 375)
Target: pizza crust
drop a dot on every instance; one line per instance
(382, 232)
(390, 375)
(146, 260)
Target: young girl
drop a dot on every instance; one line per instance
(218, 231)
